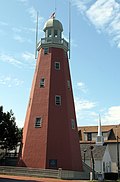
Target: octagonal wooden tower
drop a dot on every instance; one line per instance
(50, 135)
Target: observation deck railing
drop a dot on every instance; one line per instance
(61, 42)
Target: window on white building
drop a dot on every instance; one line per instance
(89, 136)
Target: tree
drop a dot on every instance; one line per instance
(10, 135)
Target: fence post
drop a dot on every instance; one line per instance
(60, 173)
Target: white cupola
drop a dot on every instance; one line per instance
(53, 28)
(53, 35)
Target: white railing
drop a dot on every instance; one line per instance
(53, 40)
(50, 173)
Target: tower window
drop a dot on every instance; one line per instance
(55, 33)
(58, 100)
(38, 122)
(46, 50)
(49, 33)
(53, 163)
(57, 65)
(73, 123)
(42, 83)
(68, 84)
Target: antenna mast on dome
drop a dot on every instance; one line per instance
(53, 15)
(36, 37)
(55, 8)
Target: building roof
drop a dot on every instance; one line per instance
(112, 130)
(98, 151)
(53, 23)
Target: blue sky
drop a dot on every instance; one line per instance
(95, 55)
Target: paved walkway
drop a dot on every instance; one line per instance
(8, 178)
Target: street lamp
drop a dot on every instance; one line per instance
(118, 159)
(93, 162)
(84, 154)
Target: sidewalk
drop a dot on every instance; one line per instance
(8, 178)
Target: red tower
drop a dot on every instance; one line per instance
(50, 136)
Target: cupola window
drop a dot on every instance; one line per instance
(49, 33)
(55, 33)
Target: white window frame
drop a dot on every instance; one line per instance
(57, 65)
(46, 50)
(55, 31)
(38, 122)
(49, 33)
(58, 100)
(73, 123)
(42, 82)
(68, 84)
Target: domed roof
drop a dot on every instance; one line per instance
(53, 23)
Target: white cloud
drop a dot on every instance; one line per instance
(10, 59)
(104, 15)
(16, 30)
(88, 114)
(10, 81)
(85, 109)
(85, 112)
(19, 38)
(27, 30)
(3, 23)
(82, 87)
(23, 1)
(112, 116)
(33, 13)
(19, 123)
(29, 58)
(88, 111)
(98, 15)
(82, 104)
(81, 4)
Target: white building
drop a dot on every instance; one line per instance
(105, 147)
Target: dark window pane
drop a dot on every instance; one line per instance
(42, 83)
(46, 50)
(53, 163)
(89, 136)
(38, 122)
